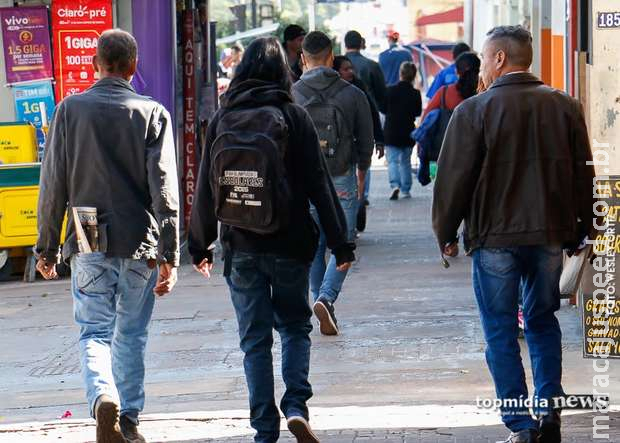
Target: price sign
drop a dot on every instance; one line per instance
(77, 25)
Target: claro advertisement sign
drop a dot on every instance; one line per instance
(76, 26)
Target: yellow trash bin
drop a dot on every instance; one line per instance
(18, 143)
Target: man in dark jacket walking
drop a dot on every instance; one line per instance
(514, 166)
(113, 150)
(366, 69)
(320, 87)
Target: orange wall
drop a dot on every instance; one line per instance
(545, 55)
(557, 59)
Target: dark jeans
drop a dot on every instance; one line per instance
(269, 291)
(497, 276)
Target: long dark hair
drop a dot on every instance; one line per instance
(468, 69)
(264, 60)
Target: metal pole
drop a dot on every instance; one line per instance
(254, 17)
(312, 15)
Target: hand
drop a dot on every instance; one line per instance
(166, 279)
(47, 270)
(380, 150)
(344, 267)
(451, 249)
(204, 268)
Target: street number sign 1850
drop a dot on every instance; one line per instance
(609, 19)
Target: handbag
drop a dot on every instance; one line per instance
(573, 271)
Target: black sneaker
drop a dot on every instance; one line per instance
(300, 428)
(550, 428)
(366, 202)
(525, 436)
(130, 431)
(324, 311)
(394, 195)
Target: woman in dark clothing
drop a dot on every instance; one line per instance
(345, 68)
(268, 274)
(403, 105)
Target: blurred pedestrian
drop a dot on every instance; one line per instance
(392, 58)
(93, 139)
(342, 117)
(447, 75)
(293, 37)
(345, 68)
(518, 174)
(404, 105)
(366, 69)
(260, 137)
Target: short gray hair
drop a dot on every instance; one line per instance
(515, 41)
(117, 50)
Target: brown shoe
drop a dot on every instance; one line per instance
(300, 428)
(106, 414)
(130, 431)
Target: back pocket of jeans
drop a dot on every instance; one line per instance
(90, 273)
(497, 261)
(138, 274)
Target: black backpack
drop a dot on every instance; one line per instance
(247, 173)
(335, 136)
(440, 127)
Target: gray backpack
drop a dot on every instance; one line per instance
(335, 136)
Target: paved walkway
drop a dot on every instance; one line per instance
(408, 365)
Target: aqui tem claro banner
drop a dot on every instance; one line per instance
(76, 25)
(27, 51)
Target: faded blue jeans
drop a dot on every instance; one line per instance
(325, 280)
(269, 291)
(399, 167)
(112, 304)
(497, 276)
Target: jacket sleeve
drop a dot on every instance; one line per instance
(379, 87)
(363, 131)
(458, 169)
(376, 121)
(161, 168)
(203, 222)
(322, 193)
(437, 83)
(53, 193)
(435, 103)
(584, 174)
(417, 103)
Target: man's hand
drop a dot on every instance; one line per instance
(166, 279)
(344, 267)
(204, 268)
(451, 249)
(380, 150)
(47, 270)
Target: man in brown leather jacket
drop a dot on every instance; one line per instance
(513, 165)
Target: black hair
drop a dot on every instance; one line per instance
(117, 50)
(339, 60)
(515, 41)
(458, 49)
(316, 45)
(353, 40)
(468, 69)
(264, 60)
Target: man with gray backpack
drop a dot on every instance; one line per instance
(342, 117)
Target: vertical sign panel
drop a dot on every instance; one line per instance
(77, 25)
(189, 113)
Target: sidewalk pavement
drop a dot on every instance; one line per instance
(408, 365)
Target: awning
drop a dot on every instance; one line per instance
(252, 33)
(451, 16)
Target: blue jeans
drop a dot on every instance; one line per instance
(112, 304)
(325, 280)
(399, 167)
(269, 291)
(367, 185)
(497, 277)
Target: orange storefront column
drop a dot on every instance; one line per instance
(545, 55)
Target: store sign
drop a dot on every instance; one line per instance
(34, 103)
(599, 303)
(77, 25)
(27, 49)
(190, 169)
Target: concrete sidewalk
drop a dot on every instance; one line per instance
(411, 340)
